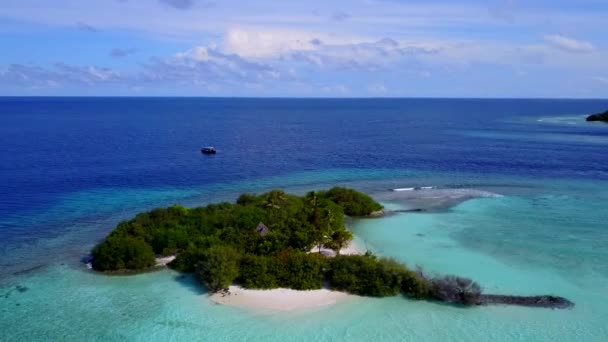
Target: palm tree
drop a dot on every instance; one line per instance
(273, 202)
(274, 199)
(340, 239)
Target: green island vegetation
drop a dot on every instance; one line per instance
(598, 117)
(269, 241)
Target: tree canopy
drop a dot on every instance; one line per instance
(295, 223)
(354, 203)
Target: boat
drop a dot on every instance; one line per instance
(208, 150)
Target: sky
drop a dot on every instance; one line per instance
(313, 48)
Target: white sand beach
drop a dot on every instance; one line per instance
(350, 249)
(164, 261)
(278, 299)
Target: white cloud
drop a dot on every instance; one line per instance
(60, 73)
(266, 43)
(210, 63)
(321, 49)
(270, 44)
(569, 44)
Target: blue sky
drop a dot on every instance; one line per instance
(355, 48)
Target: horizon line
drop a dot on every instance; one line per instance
(303, 97)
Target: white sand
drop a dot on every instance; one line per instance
(350, 249)
(278, 299)
(164, 261)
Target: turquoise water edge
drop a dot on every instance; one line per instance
(512, 235)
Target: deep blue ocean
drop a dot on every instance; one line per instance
(72, 168)
(54, 146)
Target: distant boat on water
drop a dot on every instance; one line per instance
(208, 150)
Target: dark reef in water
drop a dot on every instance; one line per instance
(599, 117)
(456, 290)
(17, 288)
(29, 270)
(551, 302)
(417, 210)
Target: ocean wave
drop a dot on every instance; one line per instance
(448, 191)
(564, 120)
(414, 188)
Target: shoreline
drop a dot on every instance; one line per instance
(281, 299)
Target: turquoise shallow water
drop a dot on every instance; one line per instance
(531, 237)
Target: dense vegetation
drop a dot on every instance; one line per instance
(369, 276)
(598, 117)
(294, 224)
(353, 202)
(264, 242)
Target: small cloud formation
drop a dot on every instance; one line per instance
(200, 67)
(252, 43)
(179, 4)
(57, 75)
(206, 63)
(119, 53)
(364, 56)
(340, 16)
(85, 27)
(569, 44)
(321, 51)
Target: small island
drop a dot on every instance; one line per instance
(279, 240)
(598, 117)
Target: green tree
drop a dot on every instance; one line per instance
(122, 253)
(338, 240)
(218, 267)
(353, 202)
(303, 271)
(246, 199)
(368, 276)
(258, 272)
